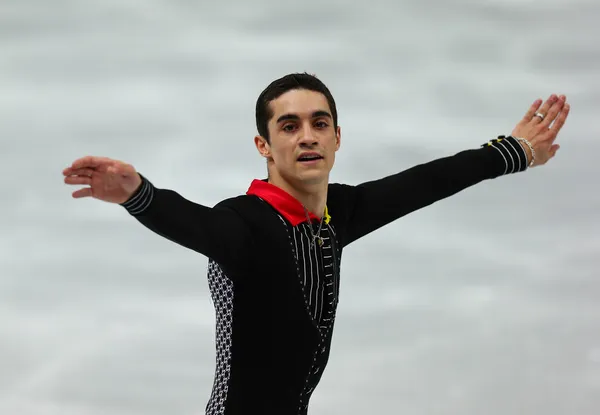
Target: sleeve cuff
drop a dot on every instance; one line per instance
(141, 200)
(511, 151)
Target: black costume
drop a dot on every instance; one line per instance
(275, 294)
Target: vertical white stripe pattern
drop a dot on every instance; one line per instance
(318, 275)
(316, 267)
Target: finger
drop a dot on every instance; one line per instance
(545, 108)
(78, 180)
(553, 112)
(85, 192)
(90, 162)
(531, 111)
(67, 171)
(553, 150)
(560, 120)
(78, 172)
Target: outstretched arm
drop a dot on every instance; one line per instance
(216, 232)
(371, 205)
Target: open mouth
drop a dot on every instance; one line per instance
(309, 157)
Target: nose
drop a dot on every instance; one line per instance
(308, 138)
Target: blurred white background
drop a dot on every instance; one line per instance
(485, 303)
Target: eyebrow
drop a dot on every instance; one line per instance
(316, 114)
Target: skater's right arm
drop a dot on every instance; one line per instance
(217, 232)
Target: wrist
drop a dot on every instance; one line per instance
(512, 152)
(528, 148)
(527, 151)
(141, 198)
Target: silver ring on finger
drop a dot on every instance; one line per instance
(539, 114)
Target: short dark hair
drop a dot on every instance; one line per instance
(281, 86)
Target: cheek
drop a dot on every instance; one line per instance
(331, 159)
(283, 155)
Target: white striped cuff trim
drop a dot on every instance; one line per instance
(142, 200)
(514, 155)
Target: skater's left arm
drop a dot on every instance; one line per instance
(371, 205)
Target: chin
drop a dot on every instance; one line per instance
(316, 176)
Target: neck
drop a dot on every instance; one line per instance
(313, 196)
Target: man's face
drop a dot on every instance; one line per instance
(301, 123)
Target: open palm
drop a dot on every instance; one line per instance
(541, 125)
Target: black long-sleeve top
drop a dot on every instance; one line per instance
(275, 294)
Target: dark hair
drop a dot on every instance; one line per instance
(281, 86)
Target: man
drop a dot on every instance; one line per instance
(275, 252)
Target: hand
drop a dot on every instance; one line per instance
(539, 132)
(108, 180)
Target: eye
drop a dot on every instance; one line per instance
(321, 124)
(288, 128)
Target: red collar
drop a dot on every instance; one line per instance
(283, 202)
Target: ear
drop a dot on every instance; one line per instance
(338, 138)
(264, 149)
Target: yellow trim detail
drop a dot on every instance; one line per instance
(327, 217)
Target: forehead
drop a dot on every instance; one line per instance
(301, 102)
